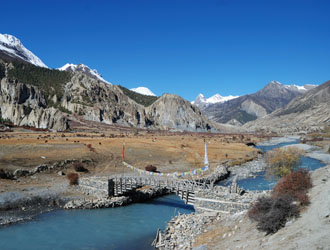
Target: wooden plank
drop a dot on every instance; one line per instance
(111, 187)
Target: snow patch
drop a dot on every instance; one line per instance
(294, 87)
(202, 100)
(143, 91)
(14, 46)
(84, 69)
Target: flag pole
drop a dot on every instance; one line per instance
(123, 156)
(206, 160)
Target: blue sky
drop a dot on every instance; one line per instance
(177, 46)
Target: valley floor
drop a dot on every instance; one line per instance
(100, 152)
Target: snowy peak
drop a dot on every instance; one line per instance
(202, 100)
(292, 87)
(219, 99)
(301, 89)
(84, 69)
(13, 46)
(143, 91)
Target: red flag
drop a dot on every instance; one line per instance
(123, 153)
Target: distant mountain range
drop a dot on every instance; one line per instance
(34, 95)
(201, 101)
(250, 107)
(305, 113)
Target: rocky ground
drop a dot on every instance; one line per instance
(211, 230)
(310, 231)
(218, 231)
(16, 206)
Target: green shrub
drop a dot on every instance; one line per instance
(5, 121)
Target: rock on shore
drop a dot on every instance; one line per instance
(182, 230)
(106, 202)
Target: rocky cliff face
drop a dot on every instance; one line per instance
(171, 111)
(26, 105)
(308, 112)
(101, 102)
(52, 106)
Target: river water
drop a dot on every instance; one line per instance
(260, 181)
(129, 227)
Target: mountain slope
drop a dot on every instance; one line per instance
(13, 47)
(145, 100)
(250, 107)
(83, 69)
(308, 112)
(45, 98)
(172, 111)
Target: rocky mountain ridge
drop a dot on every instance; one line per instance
(84, 69)
(25, 99)
(250, 107)
(308, 112)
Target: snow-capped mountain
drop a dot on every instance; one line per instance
(249, 107)
(201, 100)
(292, 87)
(13, 47)
(298, 88)
(84, 69)
(143, 91)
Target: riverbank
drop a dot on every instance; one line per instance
(309, 231)
(25, 205)
(224, 232)
(140, 195)
(183, 230)
(251, 168)
(13, 205)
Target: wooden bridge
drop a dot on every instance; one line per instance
(185, 189)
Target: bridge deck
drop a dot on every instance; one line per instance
(184, 188)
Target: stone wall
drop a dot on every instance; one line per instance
(60, 165)
(223, 199)
(95, 186)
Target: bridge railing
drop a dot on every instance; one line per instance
(162, 182)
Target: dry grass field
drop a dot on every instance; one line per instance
(169, 152)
